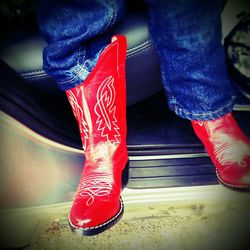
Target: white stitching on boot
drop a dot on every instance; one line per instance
(78, 112)
(228, 150)
(105, 110)
(98, 184)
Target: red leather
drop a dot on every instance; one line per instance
(228, 148)
(99, 105)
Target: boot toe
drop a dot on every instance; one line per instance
(235, 178)
(94, 216)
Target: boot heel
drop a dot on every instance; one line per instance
(125, 176)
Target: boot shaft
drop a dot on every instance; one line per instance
(99, 103)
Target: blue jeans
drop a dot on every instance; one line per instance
(185, 33)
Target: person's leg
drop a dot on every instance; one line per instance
(92, 71)
(76, 32)
(187, 37)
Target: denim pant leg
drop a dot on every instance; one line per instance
(187, 37)
(76, 32)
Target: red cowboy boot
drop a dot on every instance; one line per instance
(99, 105)
(228, 148)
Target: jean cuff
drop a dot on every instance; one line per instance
(67, 79)
(72, 77)
(206, 115)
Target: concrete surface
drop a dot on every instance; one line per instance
(208, 217)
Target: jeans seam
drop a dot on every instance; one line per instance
(112, 16)
(79, 56)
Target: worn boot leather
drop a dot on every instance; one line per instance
(228, 148)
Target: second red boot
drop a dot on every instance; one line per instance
(228, 148)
